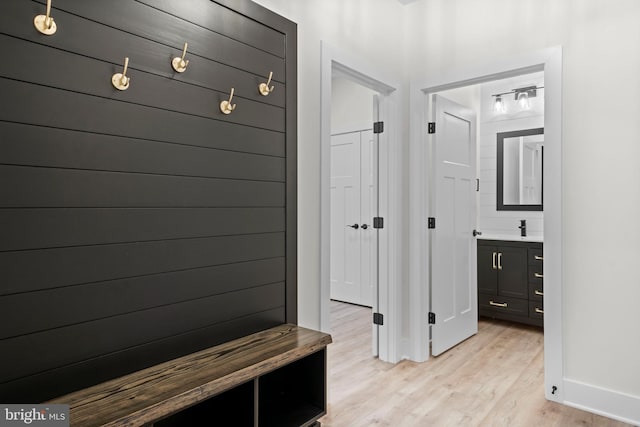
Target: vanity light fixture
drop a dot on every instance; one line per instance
(499, 106)
(522, 96)
(523, 100)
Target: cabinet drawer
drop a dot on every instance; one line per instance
(536, 291)
(494, 303)
(535, 257)
(536, 310)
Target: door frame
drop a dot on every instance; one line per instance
(549, 61)
(389, 174)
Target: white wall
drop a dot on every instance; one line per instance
(490, 220)
(469, 96)
(355, 26)
(601, 152)
(351, 106)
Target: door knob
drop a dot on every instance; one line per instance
(354, 226)
(364, 226)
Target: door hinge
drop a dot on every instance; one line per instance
(432, 318)
(378, 222)
(477, 184)
(431, 223)
(431, 127)
(378, 319)
(378, 127)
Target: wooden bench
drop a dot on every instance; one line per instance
(274, 377)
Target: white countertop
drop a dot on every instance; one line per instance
(511, 237)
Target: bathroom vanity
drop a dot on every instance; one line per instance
(510, 279)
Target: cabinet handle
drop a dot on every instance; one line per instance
(538, 258)
(497, 304)
(539, 311)
(539, 293)
(499, 260)
(538, 275)
(494, 261)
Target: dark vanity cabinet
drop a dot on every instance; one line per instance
(510, 280)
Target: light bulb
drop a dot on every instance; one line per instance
(523, 100)
(499, 106)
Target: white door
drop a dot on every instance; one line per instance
(453, 256)
(352, 234)
(345, 217)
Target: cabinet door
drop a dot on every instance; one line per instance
(512, 271)
(488, 269)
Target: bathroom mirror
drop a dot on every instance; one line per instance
(519, 170)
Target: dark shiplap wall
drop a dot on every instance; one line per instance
(141, 225)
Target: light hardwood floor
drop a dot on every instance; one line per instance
(494, 378)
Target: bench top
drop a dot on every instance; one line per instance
(161, 390)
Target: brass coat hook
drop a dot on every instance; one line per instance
(179, 64)
(225, 106)
(45, 23)
(120, 80)
(264, 88)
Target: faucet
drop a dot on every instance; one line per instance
(523, 227)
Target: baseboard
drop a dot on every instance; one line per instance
(609, 403)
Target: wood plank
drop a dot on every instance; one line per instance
(141, 20)
(46, 147)
(56, 382)
(80, 74)
(23, 355)
(91, 71)
(270, 19)
(224, 21)
(132, 20)
(112, 117)
(27, 271)
(50, 228)
(44, 187)
(115, 297)
(163, 389)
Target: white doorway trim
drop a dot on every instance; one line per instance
(550, 61)
(390, 190)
